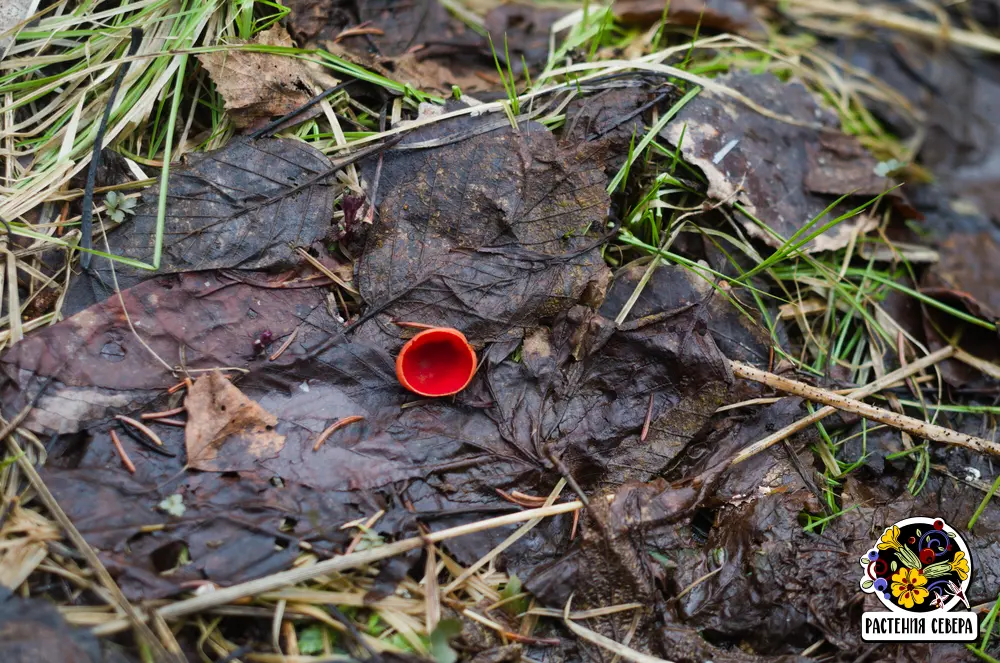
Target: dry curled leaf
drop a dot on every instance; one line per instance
(226, 431)
(259, 86)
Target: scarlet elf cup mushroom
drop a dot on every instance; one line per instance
(436, 362)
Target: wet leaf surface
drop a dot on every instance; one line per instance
(444, 459)
(398, 40)
(488, 235)
(105, 369)
(966, 278)
(762, 163)
(520, 33)
(240, 207)
(969, 248)
(32, 631)
(672, 288)
(838, 164)
(723, 15)
(967, 245)
(613, 116)
(259, 86)
(403, 25)
(422, 44)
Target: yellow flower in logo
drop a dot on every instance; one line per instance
(908, 587)
(960, 565)
(890, 539)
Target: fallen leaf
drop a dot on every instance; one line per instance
(33, 631)
(521, 34)
(239, 207)
(739, 336)
(761, 162)
(226, 431)
(420, 43)
(398, 52)
(233, 528)
(723, 15)
(610, 115)
(439, 75)
(969, 250)
(487, 234)
(451, 456)
(838, 164)
(104, 369)
(967, 246)
(397, 27)
(258, 86)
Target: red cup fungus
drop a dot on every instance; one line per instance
(436, 362)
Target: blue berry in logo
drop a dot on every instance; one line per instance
(873, 555)
(880, 585)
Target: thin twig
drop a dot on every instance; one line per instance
(902, 422)
(277, 581)
(126, 461)
(284, 346)
(172, 422)
(335, 426)
(412, 325)
(138, 425)
(605, 642)
(164, 413)
(648, 420)
(883, 382)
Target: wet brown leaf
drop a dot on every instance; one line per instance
(964, 277)
(33, 631)
(760, 162)
(232, 528)
(489, 234)
(240, 207)
(521, 31)
(226, 431)
(609, 115)
(420, 43)
(837, 163)
(404, 25)
(259, 86)
(724, 15)
(105, 369)
(969, 250)
(738, 336)
(446, 459)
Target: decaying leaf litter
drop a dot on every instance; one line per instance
(661, 200)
